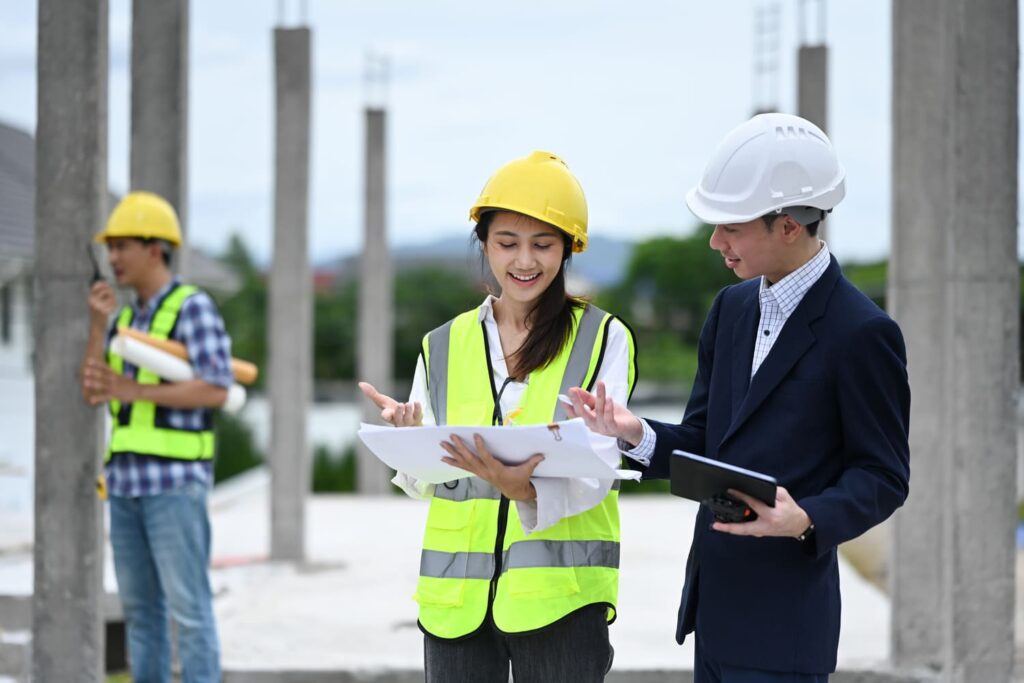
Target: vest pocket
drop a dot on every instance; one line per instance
(541, 582)
(435, 592)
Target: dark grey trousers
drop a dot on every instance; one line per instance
(574, 649)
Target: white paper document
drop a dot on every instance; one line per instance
(417, 450)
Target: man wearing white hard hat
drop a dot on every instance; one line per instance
(800, 377)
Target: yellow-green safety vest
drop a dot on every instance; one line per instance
(475, 555)
(139, 426)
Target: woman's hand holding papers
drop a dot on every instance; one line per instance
(398, 414)
(512, 480)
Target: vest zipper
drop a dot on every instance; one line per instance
(499, 544)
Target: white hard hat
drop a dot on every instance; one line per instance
(771, 162)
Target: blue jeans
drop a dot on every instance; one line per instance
(161, 553)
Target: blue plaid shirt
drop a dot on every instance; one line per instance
(201, 329)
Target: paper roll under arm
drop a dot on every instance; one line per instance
(168, 366)
(244, 371)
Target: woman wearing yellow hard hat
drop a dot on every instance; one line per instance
(518, 570)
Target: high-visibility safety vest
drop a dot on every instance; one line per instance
(475, 554)
(141, 426)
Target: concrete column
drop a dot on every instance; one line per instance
(954, 289)
(291, 299)
(376, 300)
(812, 93)
(159, 96)
(70, 207)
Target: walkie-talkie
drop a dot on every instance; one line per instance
(97, 275)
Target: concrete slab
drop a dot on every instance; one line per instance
(347, 615)
(350, 609)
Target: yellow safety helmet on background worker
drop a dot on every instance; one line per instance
(540, 186)
(143, 215)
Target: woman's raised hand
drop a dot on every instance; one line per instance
(398, 414)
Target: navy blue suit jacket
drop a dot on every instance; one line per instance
(827, 414)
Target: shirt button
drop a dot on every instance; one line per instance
(767, 332)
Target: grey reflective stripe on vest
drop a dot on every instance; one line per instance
(579, 357)
(575, 369)
(437, 371)
(470, 488)
(543, 553)
(439, 565)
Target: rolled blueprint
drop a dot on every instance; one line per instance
(168, 367)
(244, 371)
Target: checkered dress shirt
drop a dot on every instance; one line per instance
(778, 302)
(201, 329)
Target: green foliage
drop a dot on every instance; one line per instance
(245, 313)
(669, 285)
(870, 278)
(663, 358)
(425, 297)
(334, 473)
(334, 333)
(235, 449)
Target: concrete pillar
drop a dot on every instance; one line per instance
(70, 206)
(954, 288)
(812, 93)
(291, 299)
(159, 96)
(376, 300)
(812, 84)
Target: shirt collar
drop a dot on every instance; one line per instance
(155, 299)
(486, 311)
(790, 290)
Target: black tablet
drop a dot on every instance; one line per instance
(701, 479)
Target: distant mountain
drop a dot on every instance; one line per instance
(603, 263)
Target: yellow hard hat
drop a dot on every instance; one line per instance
(143, 215)
(540, 186)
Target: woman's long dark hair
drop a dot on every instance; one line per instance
(549, 322)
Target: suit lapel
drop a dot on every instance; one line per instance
(743, 335)
(793, 342)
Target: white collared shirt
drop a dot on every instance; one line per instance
(777, 303)
(556, 498)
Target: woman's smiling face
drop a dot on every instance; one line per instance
(524, 254)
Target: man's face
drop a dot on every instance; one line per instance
(750, 249)
(131, 259)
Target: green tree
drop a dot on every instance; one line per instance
(245, 313)
(425, 298)
(668, 287)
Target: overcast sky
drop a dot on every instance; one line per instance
(634, 95)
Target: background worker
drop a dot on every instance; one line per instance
(531, 584)
(799, 376)
(159, 465)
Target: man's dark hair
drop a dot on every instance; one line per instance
(166, 249)
(812, 227)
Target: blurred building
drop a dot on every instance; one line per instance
(17, 244)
